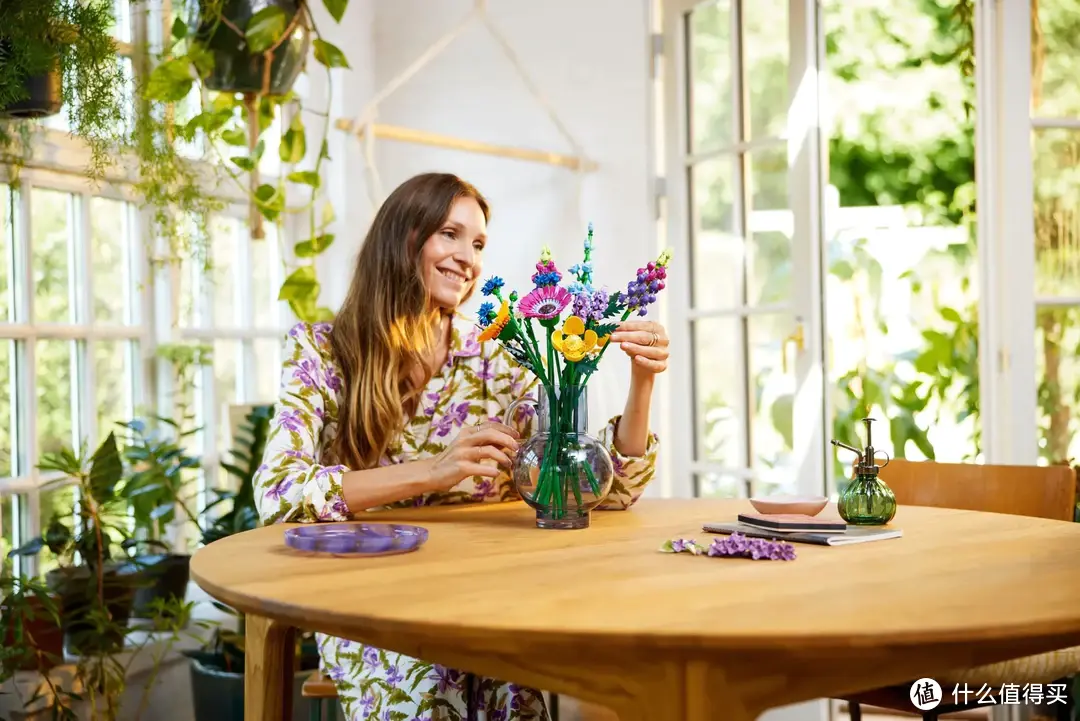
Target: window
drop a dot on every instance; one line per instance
(91, 330)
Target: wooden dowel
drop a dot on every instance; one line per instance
(423, 137)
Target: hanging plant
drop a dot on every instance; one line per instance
(245, 60)
(54, 54)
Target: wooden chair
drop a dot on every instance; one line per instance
(1041, 492)
(323, 694)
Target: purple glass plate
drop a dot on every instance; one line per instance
(356, 539)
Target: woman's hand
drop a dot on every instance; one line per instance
(646, 342)
(462, 458)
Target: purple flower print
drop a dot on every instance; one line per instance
(368, 702)
(332, 380)
(299, 455)
(445, 678)
(279, 489)
(370, 657)
(307, 372)
(484, 489)
(291, 420)
(321, 474)
(321, 331)
(617, 465)
(497, 714)
(456, 416)
(393, 676)
(388, 715)
(470, 346)
(337, 673)
(340, 507)
(486, 371)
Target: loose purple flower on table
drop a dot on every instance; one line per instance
(682, 545)
(739, 546)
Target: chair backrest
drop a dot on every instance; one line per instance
(1040, 491)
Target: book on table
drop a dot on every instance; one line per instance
(843, 537)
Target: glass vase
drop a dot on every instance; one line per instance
(561, 471)
(867, 501)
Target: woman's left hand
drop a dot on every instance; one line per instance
(646, 342)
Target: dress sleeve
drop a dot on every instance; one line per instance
(632, 473)
(291, 485)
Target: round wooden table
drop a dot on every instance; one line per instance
(601, 615)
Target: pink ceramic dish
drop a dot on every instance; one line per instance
(802, 505)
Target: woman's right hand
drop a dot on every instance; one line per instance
(463, 457)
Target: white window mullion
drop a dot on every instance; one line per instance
(247, 374)
(83, 395)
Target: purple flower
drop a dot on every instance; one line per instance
(291, 420)
(337, 672)
(368, 702)
(307, 372)
(739, 546)
(332, 379)
(641, 292)
(484, 488)
(340, 507)
(486, 371)
(456, 416)
(279, 489)
(393, 676)
(370, 657)
(446, 678)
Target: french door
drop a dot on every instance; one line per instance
(745, 170)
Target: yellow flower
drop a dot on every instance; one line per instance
(496, 326)
(573, 341)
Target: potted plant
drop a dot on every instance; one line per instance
(57, 53)
(246, 55)
(29, 626)
(156, 469)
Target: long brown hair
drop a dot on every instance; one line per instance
(383, 332)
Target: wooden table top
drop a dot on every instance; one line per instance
(487, 575)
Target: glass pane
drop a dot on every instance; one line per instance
(268, 370)
(58, 502)
(226, 233)
(50, 231)
(1055, 59)
(226, 360)
(113, 377)
(264, 283)
(6, 244)
(709, 40)
(717, 262)
(110, 237)
(54, 395)
(772, 392)
(7, 534)
(1057, 368)
(719, 391)
(1056, 156)
(122, 16)
(765, 57)
(719, 485)
(7, 415)
(770, 227)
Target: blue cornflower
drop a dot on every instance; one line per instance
(485, 314)
(491, 285)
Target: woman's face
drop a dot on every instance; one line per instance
(452, 259)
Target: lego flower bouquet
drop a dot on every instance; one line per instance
(560, 333)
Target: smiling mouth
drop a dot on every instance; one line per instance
(451, 275)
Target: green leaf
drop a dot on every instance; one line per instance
(106, 469)
(300, 284)
(265, 28)
(235, 136)
(336, 8)
(243, 162)
(951, 315)
(306, 177)
(294, 143)
(314, 246)
(330, 55)
(170, 81)
(179, 29)
(269, 201)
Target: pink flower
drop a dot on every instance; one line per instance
(545, 302)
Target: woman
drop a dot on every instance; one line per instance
(396, 403)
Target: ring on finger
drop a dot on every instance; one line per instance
(655, 339)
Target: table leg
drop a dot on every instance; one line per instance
(695, 692)
(268, 669)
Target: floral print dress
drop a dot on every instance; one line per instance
(293, 484)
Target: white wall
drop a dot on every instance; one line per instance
(590, 60)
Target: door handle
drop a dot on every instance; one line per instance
(798, 337)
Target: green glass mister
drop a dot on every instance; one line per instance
(867, 500)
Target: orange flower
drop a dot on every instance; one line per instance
(496, 326)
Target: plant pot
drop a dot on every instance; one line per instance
(236, 69)
(46, 97)
(40, 631)
(78, 589)
(163, 577)
(218, 695)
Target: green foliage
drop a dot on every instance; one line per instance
(76, 37)
(246, 457)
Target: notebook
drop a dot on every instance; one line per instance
(790, 522)
(854, 534)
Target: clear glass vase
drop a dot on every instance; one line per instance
(561, 471)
